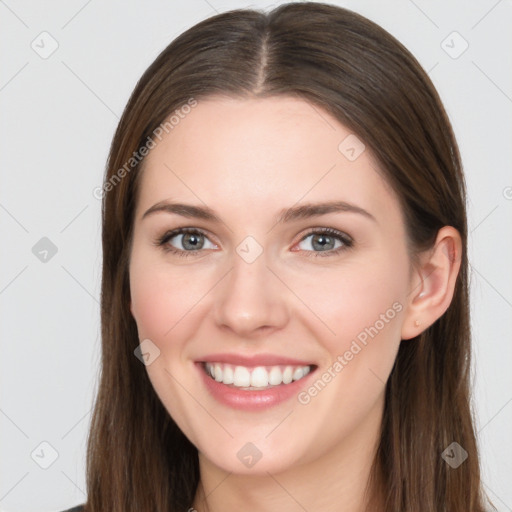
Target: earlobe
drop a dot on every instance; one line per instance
(433, 283)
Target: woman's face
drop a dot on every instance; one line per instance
(258, 289)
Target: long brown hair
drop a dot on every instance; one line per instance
(137, 458)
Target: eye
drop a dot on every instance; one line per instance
(318, 242)
(326, 240)
(185, 241)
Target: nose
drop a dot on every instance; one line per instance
(251, 301)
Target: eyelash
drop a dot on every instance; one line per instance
(342, 237)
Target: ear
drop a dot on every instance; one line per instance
(433, 283)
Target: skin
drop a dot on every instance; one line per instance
(247, 160)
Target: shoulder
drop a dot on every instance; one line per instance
(78, 508)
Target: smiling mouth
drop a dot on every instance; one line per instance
(257, 377)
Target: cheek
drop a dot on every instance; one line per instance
(161, 303)
(151, 304)
(363, 307)
(362, 304)
(354, 299)
(161, 297)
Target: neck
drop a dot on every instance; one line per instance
(336, 481)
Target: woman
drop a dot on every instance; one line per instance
(285, 311)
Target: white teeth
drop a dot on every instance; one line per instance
(297, 374)
(275, 377)
(241, 377)
(217, 374)
(228, 374)
(287, 375)
(259, 377)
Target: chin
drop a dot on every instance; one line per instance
(251, 459)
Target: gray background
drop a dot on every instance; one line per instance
(58, 117)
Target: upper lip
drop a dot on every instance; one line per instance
(254, 360)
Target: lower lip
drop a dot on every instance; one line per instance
(252, 400)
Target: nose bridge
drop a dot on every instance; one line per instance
(251, 297)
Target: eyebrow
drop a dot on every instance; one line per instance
(303, 211)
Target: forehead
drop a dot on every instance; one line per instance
(236, 154)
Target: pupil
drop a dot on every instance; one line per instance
(191, 241)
